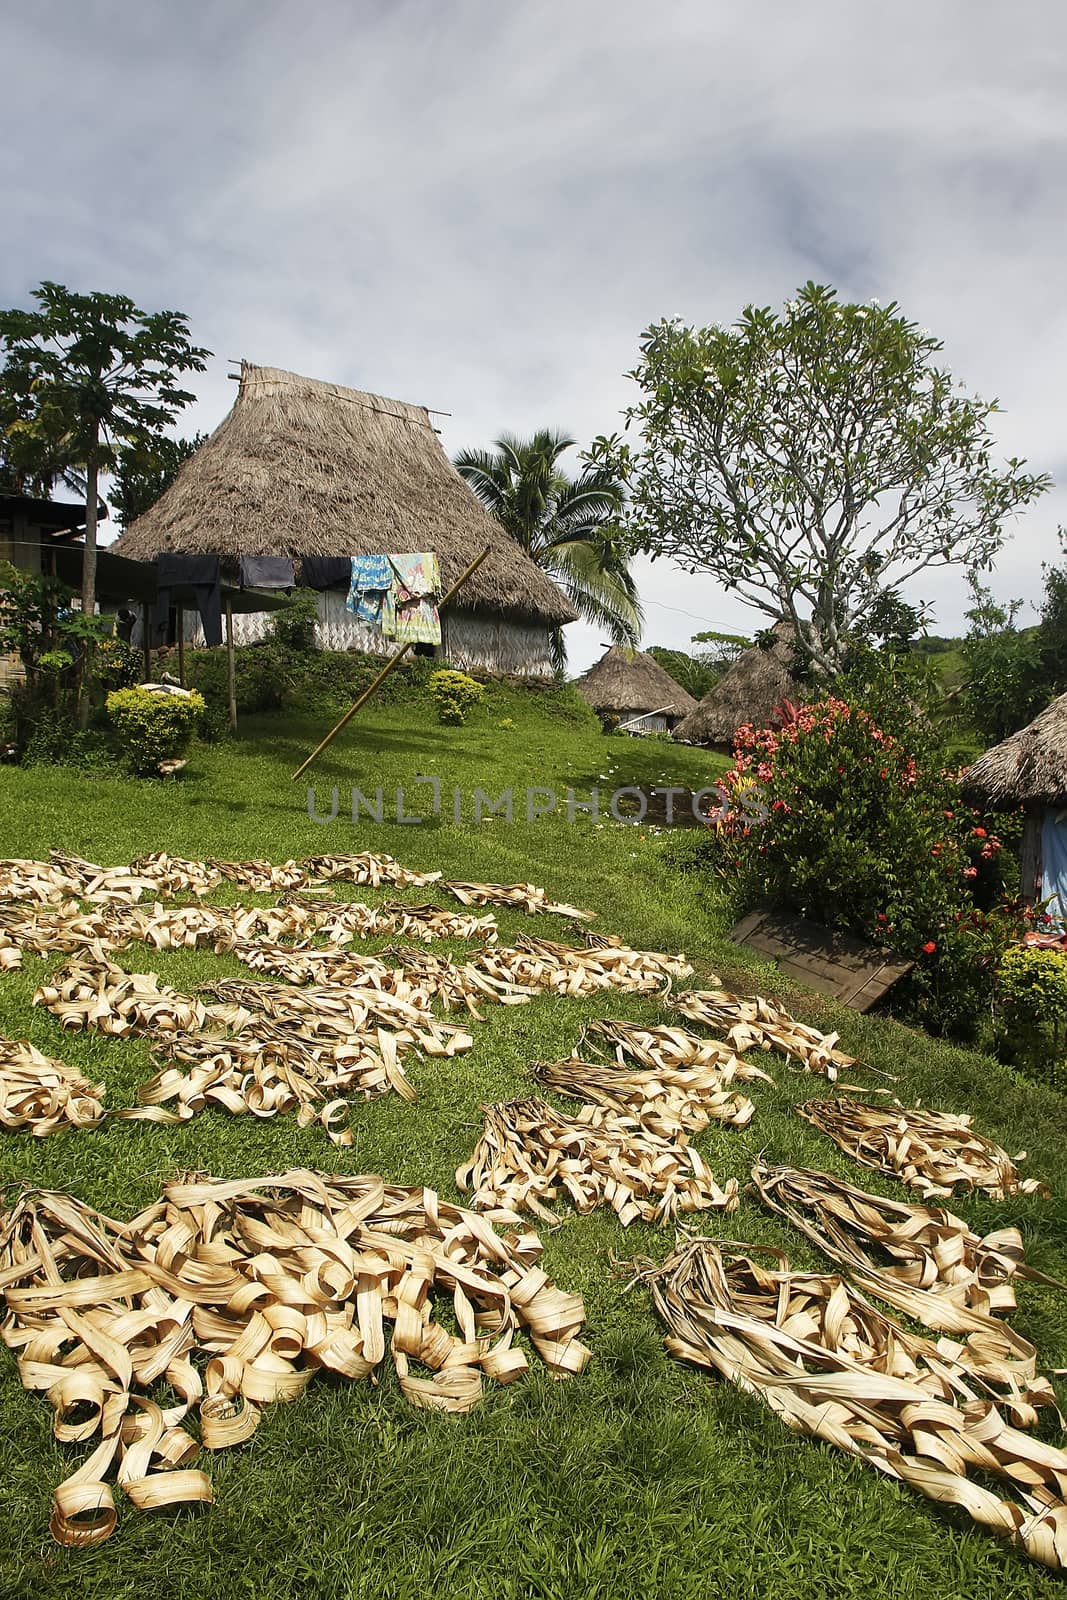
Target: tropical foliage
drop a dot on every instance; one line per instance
(570, 526)
(812, 461)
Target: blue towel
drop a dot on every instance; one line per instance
(370, 581)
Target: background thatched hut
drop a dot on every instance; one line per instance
(303, 468)
(1029, 769)
(626, 686)
(748, 691)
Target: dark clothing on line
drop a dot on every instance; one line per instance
(327, 572)
(266, 572)
(201, 575)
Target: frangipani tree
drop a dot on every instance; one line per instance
(812, 461)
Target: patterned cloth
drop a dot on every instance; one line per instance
(370, 580)
(409, 614)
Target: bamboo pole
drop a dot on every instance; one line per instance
(231, 682)
(146, 640)
(181, 646)
(386, 670)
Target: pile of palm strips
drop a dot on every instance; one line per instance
(577, 970)
(450, 982)
(367, 870)
(267, 1281)
(41, 1094)
(92, 992)
(749, 1022)
(932, 1151)
(345, 1012)
(920, 1259)
(834, 1368)
(663, 1049)
(666, 1102)
(529, 1153)
(516, 897)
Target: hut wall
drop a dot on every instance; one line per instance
(487, 643)
(636, 723)
(470, 640)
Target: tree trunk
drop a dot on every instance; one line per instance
(88, 577)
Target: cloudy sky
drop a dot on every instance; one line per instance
(479, 206)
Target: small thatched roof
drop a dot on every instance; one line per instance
(748, 691)
(303, 468)
(624, 680)
(1028, 769)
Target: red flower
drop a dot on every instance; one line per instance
(979, 833)
(929, 947)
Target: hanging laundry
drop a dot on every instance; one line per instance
(325, 572)
(200, 574)
(409, 614)
(370, 579)
(266, 572)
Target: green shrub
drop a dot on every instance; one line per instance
(1031, 1005)
(454, 694)
(849, 826)
(294, 623)
(153, 727)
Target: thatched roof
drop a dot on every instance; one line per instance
(624, 680)
(758, 681)
(1028, 769)
(300, 467)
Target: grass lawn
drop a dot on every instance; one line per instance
(639, 1478)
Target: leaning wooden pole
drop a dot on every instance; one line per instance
(386, 670)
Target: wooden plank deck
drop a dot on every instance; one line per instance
(838, 964)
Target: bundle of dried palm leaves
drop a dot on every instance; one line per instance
(344, 968)
(92, 992)
(516, 896)
(41, 1094)
(279, 1067)
(269, 1281)
(923, 1260)
(44, 929)
(932, 1151)
(530, 1153)
(368, 869)
(664, 1102)
(579, 970)
(452, 983)
(834, 1368)
(347, 1013)
(749, 1022)
(663, 1049)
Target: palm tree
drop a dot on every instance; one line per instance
(569, 526)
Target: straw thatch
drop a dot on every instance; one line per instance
(301, 467)
(625, 683)
(749, 691)
(1028, 769)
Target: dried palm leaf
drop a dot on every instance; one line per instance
(662, 1049)
(749, 1022)
(834, 1368)
(516, 896)
(577, 970)
(368, 869)
(345, 1013)
(92, 992)
(924, 1261)
(932, 1151)
(663, 1102)
(41, 1094)
(530, 1153)
(268, 1281)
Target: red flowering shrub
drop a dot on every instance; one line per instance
(861, 835)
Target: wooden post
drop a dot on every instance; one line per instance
(1031, 866)
(231, 680)
(181, 646)
(386, 670)
(146, 640)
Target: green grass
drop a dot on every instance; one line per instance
(639, 1478)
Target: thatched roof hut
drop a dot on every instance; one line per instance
(627, 686)
(1029, 769)
(304, 468)
(748, 691)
